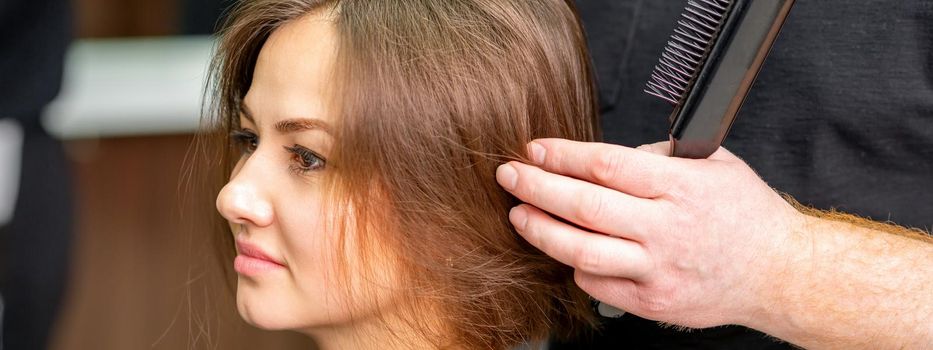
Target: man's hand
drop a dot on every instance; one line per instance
(701, 243)
(685, 241)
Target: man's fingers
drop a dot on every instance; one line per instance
(662, 148)
(637, 172)
(620, 292)
(591, 206)
(724, 155)
(585, 251)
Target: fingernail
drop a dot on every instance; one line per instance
(507, 176)
(538, 153)
(519, 218)
(606, 310)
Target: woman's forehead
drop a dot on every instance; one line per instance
(293, 75)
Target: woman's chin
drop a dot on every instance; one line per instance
(258, 318)
(262, 312)
(273, 310)
(281, 306)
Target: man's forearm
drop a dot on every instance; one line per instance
(853, 284)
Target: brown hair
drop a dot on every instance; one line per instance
(434, 95)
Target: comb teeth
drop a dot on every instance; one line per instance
(687, 50)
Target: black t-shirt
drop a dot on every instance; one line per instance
(841, 117)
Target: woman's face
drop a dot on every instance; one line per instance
(273, 201)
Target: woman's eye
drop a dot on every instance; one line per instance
(305, 159)
(246, 140)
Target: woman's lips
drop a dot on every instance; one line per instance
(252, 261)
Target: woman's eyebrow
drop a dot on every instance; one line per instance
(302, 124)
(291, 125)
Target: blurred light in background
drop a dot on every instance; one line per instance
(11, 141)
(123, 87)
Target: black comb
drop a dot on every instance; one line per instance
(709, 65)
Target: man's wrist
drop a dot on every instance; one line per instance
(792, 266)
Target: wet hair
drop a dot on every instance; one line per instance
(432, 96)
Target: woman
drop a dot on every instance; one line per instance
(359, 144)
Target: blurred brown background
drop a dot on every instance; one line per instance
(143, 273)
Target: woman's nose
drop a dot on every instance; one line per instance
(244, 201)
